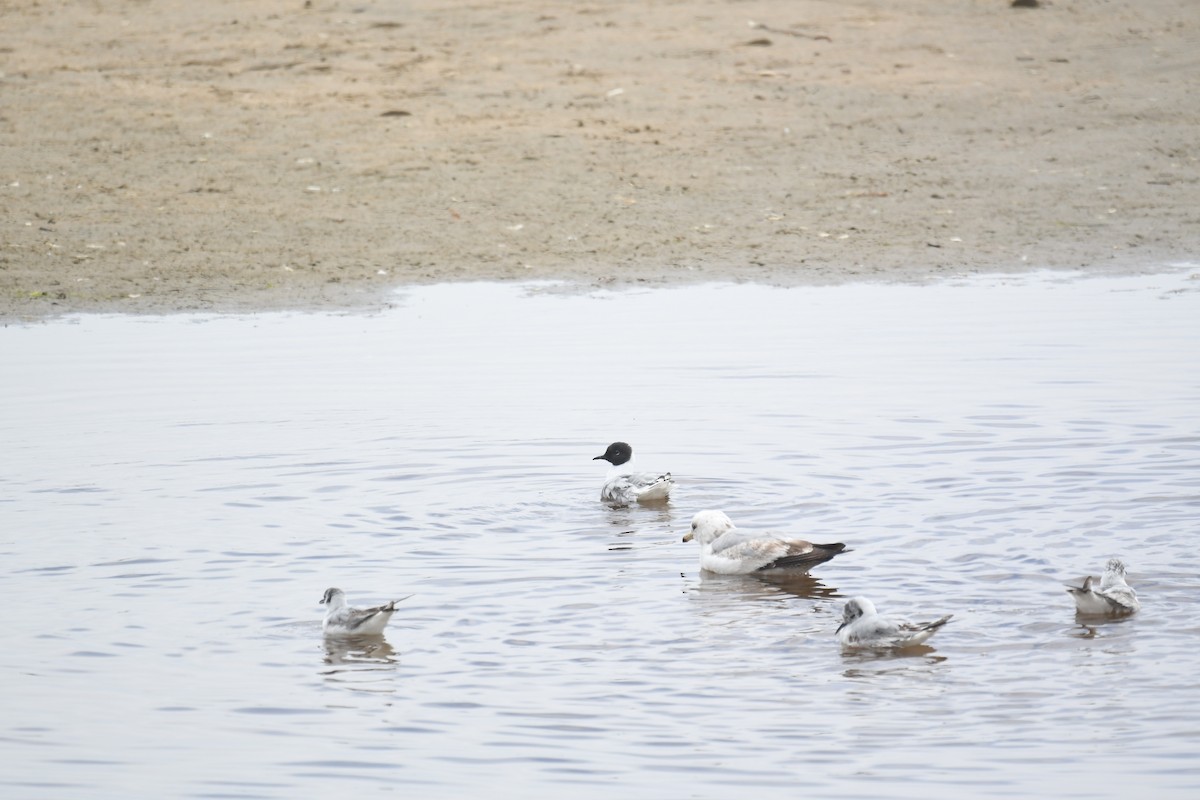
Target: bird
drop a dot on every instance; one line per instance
(729, 551)
(623, 486)
(863, 627)
(342, 620)
(1114, 595)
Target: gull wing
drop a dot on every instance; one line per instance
(771, 551)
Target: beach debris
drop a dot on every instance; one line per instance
(759, 26)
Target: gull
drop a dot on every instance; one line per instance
(624, 486)
(729, 551)
(863, 627)
(342, 620)
(1114, 596)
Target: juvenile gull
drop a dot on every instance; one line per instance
(863, 627)
(624, 485)
(1114, 595)
(729, 551)
(342, 620)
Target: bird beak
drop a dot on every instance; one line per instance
(598, 458)
(687, 537)
(839, 629)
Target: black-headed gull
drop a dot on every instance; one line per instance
(1112, 596)
(342, 620)
(729, 551)
(863, 627)
(624, 485)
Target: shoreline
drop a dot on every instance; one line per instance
(237, 157)
(383, 299)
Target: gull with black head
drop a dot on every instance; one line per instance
(624, 485)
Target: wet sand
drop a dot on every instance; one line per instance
(236, 156)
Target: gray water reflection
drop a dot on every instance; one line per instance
(175, 493)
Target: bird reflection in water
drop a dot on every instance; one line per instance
(868, 666)
(766, 586)
(923, 652)
(638, 527)
(801, 585)
(359, 650)
(1094, 627)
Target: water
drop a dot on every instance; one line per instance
(177, 493)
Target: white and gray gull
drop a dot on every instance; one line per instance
(342, 620)
(1112, 595)
(729, 551)
(863, 627)
(624, 485)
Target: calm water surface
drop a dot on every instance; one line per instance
(176, 494)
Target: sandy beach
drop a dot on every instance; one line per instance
(235, 156)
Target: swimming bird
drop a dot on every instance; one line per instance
(624, 486)
(727, 550)
(1114, 595)
(863, 627)
(342, 620)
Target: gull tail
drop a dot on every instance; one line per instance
(819, 554)
(392, 605)
(659, 489)
(933, 626)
